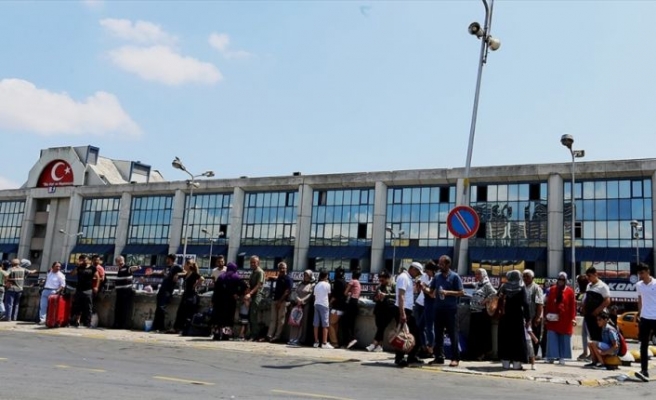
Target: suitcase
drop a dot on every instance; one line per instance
(59, 311)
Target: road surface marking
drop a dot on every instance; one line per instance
(81, 369)
(312, 395)
(3, 359)
(168, 378)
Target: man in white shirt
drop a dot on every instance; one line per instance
(219, 269)
(404, 303)
(55, 283)
(646, 288)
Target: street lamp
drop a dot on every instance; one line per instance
(395, 236)
(211, 236)
(568, 141)
(65, 246)
(636, 228)
(192, 183)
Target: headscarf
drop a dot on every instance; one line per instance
(514, 284)
(561, 289)
(486, 279)
(310, 274)
(230, 274)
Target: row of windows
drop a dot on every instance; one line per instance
(12, 207)
(421, 195)
(508, 192)
(272, 199)
(11, 220)
(101, 204)
(343, 197)
(613, 189)
(150, 220)
(611, 209)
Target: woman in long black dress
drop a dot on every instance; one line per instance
(514, 308)
(189, 300)
(227, 290)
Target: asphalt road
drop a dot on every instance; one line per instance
(56, 367)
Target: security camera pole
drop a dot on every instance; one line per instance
(487, 43)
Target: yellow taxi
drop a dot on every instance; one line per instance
(628, 326)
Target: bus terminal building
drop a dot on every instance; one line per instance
(76, 201)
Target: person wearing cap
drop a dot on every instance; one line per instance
(445, 288)
(404, 305)
(560, 319)
(14, 286)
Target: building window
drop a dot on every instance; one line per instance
(421, 213)
(512, 215)
(150, 220)
(346, 218)
(269, 218)
(11, 220)
(210, 212)
(99, 220)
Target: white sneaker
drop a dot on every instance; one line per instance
(352, 343)
(316, 345)
(561, 362)
(327, 346)
(371, 347)
(378, 349)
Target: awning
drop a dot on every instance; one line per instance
(508, 253)
(350, 252)
(8, 248)
(81, 248)
(608, 254)
(266, 251)
(157, 249)
(416, 252)
(204, 250)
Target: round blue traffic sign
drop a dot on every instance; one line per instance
(463, 222)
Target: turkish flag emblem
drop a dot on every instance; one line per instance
(57, 173)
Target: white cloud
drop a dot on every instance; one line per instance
(8, 184)
(142, 32)
(24, 107)
(164, 65)
(221, 42)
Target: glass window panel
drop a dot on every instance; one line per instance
(588, 229)
(416, 195)
(588, 190)
(636, 189)
(578, 190)
(588, 209)
(625, 189)
(648, 209)
(407, 195)
(625, 209)
(600, 209)
(424, 212)
(425, 195)
(646, 189)
(600, 189)
(491, 193)
(348, 195)
(339, 197)
(637, 209)
(612, 189)
(613, 229)
(613, 209)
(600, 230)
(502, 193)
(513, 192)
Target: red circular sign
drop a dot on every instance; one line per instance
(463, 222)
(56, 173)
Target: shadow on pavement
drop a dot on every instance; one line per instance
(309, 363)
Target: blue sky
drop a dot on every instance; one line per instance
(268, 88)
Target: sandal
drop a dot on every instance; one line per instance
(454, 364)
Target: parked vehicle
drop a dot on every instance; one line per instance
(628, 326)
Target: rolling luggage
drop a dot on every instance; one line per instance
(59, 311)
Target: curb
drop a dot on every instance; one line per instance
(542, 379)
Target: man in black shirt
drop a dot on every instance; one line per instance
(284, 285)
(87, 286)
(124, 292)
(165, 292)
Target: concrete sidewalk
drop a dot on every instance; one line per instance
(572, 373)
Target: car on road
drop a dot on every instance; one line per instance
(628, 326)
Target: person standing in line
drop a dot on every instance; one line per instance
(597, 298)
(171, 274)
(560, 316)
(582, 283)
(97, 261)
(646, 288)
(536, 307)
(514, 319)
(321, 307)
(3, 276)
(87, 281)
(426, 322)
(254, 295)
(384, 298)
(301, 297)
(445, 288)
(124, 292)
(352, 293)
(14, 286)
(284, 286)
(480, 323)
(55, 284)
(219, 269)
(337, 306)
(405, 299)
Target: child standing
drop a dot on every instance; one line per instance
(321, 304)
(244, 307)
(531, 339)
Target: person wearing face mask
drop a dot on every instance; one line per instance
(560, 319)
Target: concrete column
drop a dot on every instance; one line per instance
(379, 232)
(74, 214)
(303, 225)
(177, 221)
(236, 218)
(461, 250)
(27, 229)
(555, 226)
(653, 212)
(123, 225)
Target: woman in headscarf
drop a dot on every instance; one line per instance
(480, 324)
(514, 311)
(227, 290)
(560, 318)
(301, 297)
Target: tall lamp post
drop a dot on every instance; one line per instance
(65, 246)
(568, 141)
(192, 183)
(488, 42)
(395, 237)
(212, 238)
(637, 228)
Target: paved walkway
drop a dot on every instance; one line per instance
(572, 373)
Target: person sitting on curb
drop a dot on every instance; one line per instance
(607, 346)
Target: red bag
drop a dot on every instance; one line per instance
(401, 339)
